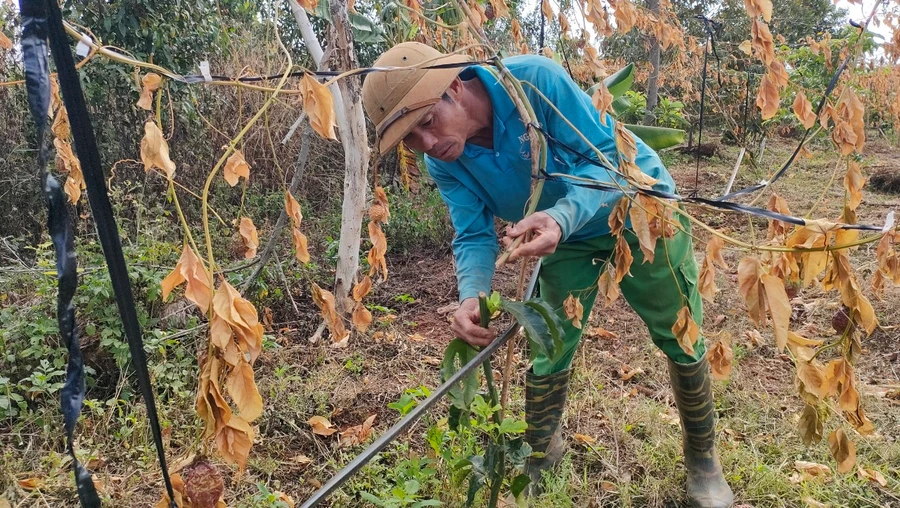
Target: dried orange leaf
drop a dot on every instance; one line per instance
(720, 357)
(300, 246)
(623, 258)
(812, 468)
(574, 310)
(640, 224)
(241, 387)
(362, 288)
(706, 283)
(379, 249)
(5, 43)
(361, 317)
(241, 315)
(618, 216)
(292, 207)
(686, 330)
(249, 236)
(325, 301)
(602, 100)
(780, 308)
(584, 439)
(803, 110)
(191, 270)
(843, 450)
(746, 47)
(234, 441)
(29, 483)
(319, 105)
(357, 434)
(767, 99)
(609, 288)
(235, 168)
(749, 286)
(714, 251)
(759, 8)
(155, 150)
(149, 84)
(321, 426)
(871, 475)
(60, 127)
(853, 184)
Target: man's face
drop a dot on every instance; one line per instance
(442, 132)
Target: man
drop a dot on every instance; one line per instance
(478, 153)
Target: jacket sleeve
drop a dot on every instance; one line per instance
(579, 205)
(475, 245)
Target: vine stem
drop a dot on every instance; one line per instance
(228, 151)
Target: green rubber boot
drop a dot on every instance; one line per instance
(545, 398)
(706, 485)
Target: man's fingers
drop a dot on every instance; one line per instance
(536, 247)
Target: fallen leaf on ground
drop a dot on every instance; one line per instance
(871, 475)
(321, 426)
(585, 439)
(29, 483)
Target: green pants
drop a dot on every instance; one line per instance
(656, 291)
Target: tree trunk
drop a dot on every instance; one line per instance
(352, 127)
(356, 157)
(653, 80)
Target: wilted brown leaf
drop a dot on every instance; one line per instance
(30, 483)
(5, 43)
(379, 249)
(241, 315)
(180, 495)
(362, 288)
(618, 216)
(357, 434)
(609, 288)
(720, 357)
(640, 223)
(361, 317)
(779, 306)
(325, 301)
(853, 184)
(300, 246)
(686, 330)
(241, 387)
(584, 439)
(714, 251)
(843, 450)
(767, 99)
(574, 310)
(234, 441)
(60, 127)
(623, 258)
(319, 105)
(813, 469)
(759, 8)
(149, 84)
(211, 405)
(249, 236)
(602, 100)
(235, 168)
(871, 475)
(155, 150)
(778, 228)
(191, 270)
(811, 426)
(803, 110)
(321, 426)
(292, 207)
(751, 289)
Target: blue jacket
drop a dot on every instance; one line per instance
(484, 183)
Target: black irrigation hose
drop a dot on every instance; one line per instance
(385, 439)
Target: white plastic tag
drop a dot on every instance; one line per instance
(204, 69)
(888, 222)
(84, 46)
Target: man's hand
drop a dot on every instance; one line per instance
(545, 236)
(467, 324)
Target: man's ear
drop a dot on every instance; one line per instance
(455, 88)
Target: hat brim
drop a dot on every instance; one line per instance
(431, 86)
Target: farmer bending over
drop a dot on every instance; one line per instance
(478, 153)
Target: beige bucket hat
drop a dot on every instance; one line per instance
(396, 100)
